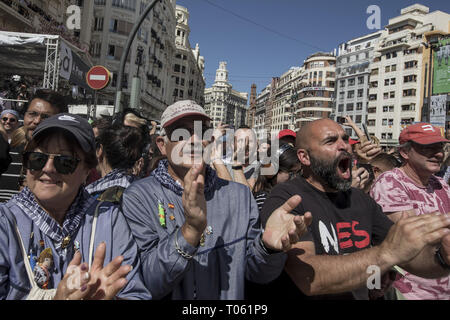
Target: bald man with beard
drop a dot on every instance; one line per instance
(349, 239)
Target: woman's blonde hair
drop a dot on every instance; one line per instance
(133, 119)
(18, 137)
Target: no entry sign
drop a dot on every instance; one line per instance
(98, 77)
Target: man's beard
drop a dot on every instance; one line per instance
(327, 172)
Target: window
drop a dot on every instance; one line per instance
(340, 107)
(386, 82)
(111, 50)
(358, 118)
(95, 49)
(371, 122)
(349, 107)
(387, 69)
(360, 93)
(374, 72)
(342, 83)
(360, 80)
(409, 93)
(411, 78)
(394, 67)
(98, 24)
(359, 106)
(384, 122)
(176, 68)
(392, 94)
(392, 81)
(351, 94)
(409, 107)
(373, 84)
(351, 82)
(113, 25)
(386, 95)
(372, 97)
(125, 4)
(411, 64)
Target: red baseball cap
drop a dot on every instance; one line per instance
(421, 133)
(286, 133)
(352, 142)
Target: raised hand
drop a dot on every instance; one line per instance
(367, 150)
(107, 281)
(74, 285)
(283, 228)
(194, 204)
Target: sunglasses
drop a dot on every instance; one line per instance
(12, 120)
(63, 164)
(181, 130)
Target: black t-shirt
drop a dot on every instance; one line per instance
(343, 222)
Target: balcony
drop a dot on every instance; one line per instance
(17, 13)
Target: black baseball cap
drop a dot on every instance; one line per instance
(75, 124)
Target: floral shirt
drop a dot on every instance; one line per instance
(394, 191)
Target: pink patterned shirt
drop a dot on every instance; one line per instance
(394, 191)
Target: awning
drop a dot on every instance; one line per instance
(25, 54)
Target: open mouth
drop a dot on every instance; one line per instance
(344, 167)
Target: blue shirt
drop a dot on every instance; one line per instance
(111, 228)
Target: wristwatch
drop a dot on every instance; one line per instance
(440, 260)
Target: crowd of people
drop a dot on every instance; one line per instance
(114, 209)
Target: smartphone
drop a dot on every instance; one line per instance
(369, 169)
(340, 120)
(366, 132)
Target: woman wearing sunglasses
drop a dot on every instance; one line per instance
(48, 232)
(9, 122)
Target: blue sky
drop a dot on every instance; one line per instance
(264, 38)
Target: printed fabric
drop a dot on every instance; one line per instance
(394, 191)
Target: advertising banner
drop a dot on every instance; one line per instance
(441, 78)
(438, 110)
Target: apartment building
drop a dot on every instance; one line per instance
(261, 104)
(151, 55)
(188, 65)
(396, 93)
(222, 103)
(316, 88)
(352, 78)
(283, 116)
(252, 107)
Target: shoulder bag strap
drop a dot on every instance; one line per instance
(25, 258)
(91, 242)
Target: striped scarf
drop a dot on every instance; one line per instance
(26, 201)
(162, 175)
(116, 178)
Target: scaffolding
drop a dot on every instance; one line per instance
(52, 61)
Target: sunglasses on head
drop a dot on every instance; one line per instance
(63, 164)
(10, 119)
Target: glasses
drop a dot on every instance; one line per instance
(179, 136)
(12, 120)
(63, 164)
(34, 115)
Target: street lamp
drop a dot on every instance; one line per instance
(117, 105)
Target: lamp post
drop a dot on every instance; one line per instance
(117, 105)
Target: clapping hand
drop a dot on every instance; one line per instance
(194, 204)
